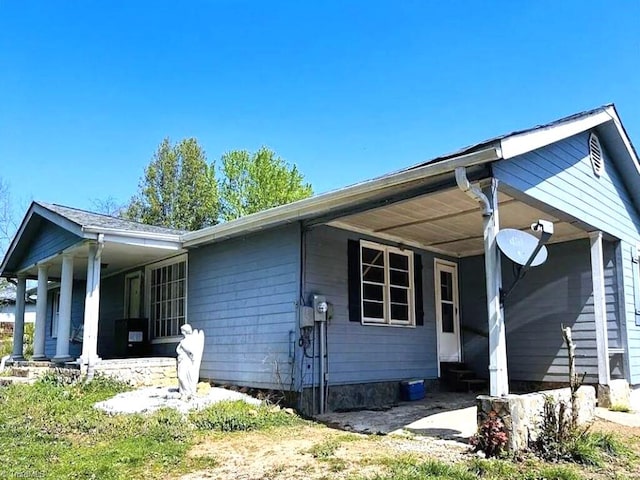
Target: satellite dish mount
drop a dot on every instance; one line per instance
(524, 249)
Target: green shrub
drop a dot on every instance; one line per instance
(620, 408)
(240, 416)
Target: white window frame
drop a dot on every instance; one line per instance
(147, 302)
(387, 321)
(55, 313)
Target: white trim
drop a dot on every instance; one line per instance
(453, 268)
(55, 312)
(308, 207)
(386, 296)
(175, 339)
(515, 145)
(599, 307)
(118, 232)
(147, 289)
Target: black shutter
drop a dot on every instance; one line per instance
(353, 261)
(417, 285)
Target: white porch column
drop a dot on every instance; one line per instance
(64, 319)
(91, 308)
(41, 313)
(18, 325)
(600, 307)
(498, 375)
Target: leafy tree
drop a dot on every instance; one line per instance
(254, 182)
(178, 190)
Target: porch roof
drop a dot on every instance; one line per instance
(127, 243)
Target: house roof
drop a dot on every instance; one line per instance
(502, 147)
(86, 219)
(89, 225)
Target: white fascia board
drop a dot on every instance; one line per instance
(116, 232)
(36, 209)
(143, 242)
(303, 209)
(625, 139)
(518, 144)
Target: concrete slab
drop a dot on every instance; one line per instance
(630, 419)
(449, 416)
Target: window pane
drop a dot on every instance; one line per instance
(372, 257)
(372, 292)
(372, 274)
(399, 295)
(373, 310)
(447, 318)
(446, 286)
(401, 262)
(399, 278)
(399, 312)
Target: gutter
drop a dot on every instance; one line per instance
(303, 209)
(167, 237)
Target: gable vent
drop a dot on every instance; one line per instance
(595, 154)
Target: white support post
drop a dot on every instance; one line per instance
(91, 308)
(498, 375)
(18, 325)
(600, 307)
(41, 313)
(64, 319)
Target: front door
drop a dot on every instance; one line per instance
(447, 317)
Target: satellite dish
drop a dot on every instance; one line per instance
(518, 246)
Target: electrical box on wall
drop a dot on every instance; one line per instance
(320, 308)
(306, 317)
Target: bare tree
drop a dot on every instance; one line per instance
(108, 206)
(8, 224)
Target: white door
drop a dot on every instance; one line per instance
(447, 318)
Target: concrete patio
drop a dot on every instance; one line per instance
(447, 416)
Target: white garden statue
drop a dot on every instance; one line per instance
(189, 352)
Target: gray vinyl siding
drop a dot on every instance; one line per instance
(362, 353)
(561, 176)
(244, 293)
(632, 330)
(48, 240)
(77, 319)
(560, 292)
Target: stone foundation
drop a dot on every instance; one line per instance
(522, 414)
(359, 396)
(141, 372)
(617, 394)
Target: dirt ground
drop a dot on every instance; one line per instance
(317, 452)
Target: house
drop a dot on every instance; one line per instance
(402, 274)
(8, 309)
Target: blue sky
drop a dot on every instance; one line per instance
(347, 90)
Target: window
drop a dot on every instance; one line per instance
(55, 313)
(386, 285)
(167, 294)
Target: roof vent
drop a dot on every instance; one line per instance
(595, 154)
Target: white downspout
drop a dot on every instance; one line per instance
(498, 375)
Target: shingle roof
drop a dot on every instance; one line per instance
(490, 141)
(98, 220)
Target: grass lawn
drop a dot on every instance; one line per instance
(50, 430)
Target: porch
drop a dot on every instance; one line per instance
(90, 292)
(461, 318)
